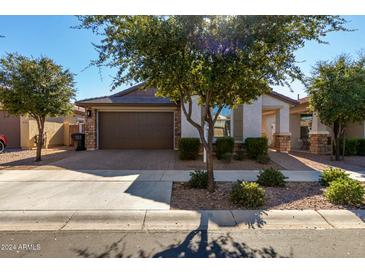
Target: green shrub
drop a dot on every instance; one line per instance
(247, 194)
(331, 174)
(227, 157)
(271, 177)
(198, 179)
(239, 155)
(189, 148)
(351, 146)
(224, 145)
(345, 191)
(361, 147)
(263, 159)
(256, 146)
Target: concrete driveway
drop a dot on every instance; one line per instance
(143, 160)
(104, 189)
(80, 190)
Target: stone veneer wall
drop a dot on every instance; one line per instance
(318, 143)
(282, 142)
(90, 129)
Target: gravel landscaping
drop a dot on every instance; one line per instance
(298, 195)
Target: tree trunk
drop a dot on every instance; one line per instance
(337, 132)
(40, 140)
(337, 156)
(207, 144)
(343, 143)
(210, 168)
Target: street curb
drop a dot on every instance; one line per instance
(179, 220)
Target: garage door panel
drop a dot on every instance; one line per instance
(136, 130)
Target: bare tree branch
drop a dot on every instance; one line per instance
(217, 114)
(200, 128)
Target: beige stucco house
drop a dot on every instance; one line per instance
(137, 119)
(21, 130)
(306, 125)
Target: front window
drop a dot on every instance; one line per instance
(222, 127)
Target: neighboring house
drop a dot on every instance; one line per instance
(222, 126)
(305, 125)
(21, 130)
(137, 119)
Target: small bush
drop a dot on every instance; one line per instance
(224, 145)
(247, 194)
(189, 148)
(239, 155)
(361, 147)
(345, 191)
(227, 157)
(256, 147)
(351, 147)
(331, 174)
(263, 159)
(198, 179)
(271, 177)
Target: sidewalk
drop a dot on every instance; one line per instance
(151, 175)
(72, 190)
(168, 220)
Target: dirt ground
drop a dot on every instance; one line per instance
(298, 195)
(25, 158)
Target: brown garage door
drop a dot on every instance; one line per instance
(136, 130)
(10, 127)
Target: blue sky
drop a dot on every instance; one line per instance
(53, 36)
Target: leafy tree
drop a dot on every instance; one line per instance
(337, 94)
(223, 60)
(35, 87)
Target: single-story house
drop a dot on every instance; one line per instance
(305, 126)
(137, 119)
(21, 130)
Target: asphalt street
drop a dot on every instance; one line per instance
(248, 243)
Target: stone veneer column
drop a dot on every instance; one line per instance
(318, 143)
(177, 129)
(282, 135)
(90, 130)
(282, 142)
(318, 137)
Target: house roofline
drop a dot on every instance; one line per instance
(137, 86)
(119, 93)
(284, 98)
(127, 104)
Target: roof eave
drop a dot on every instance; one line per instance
(85, 104)
(284, 98)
